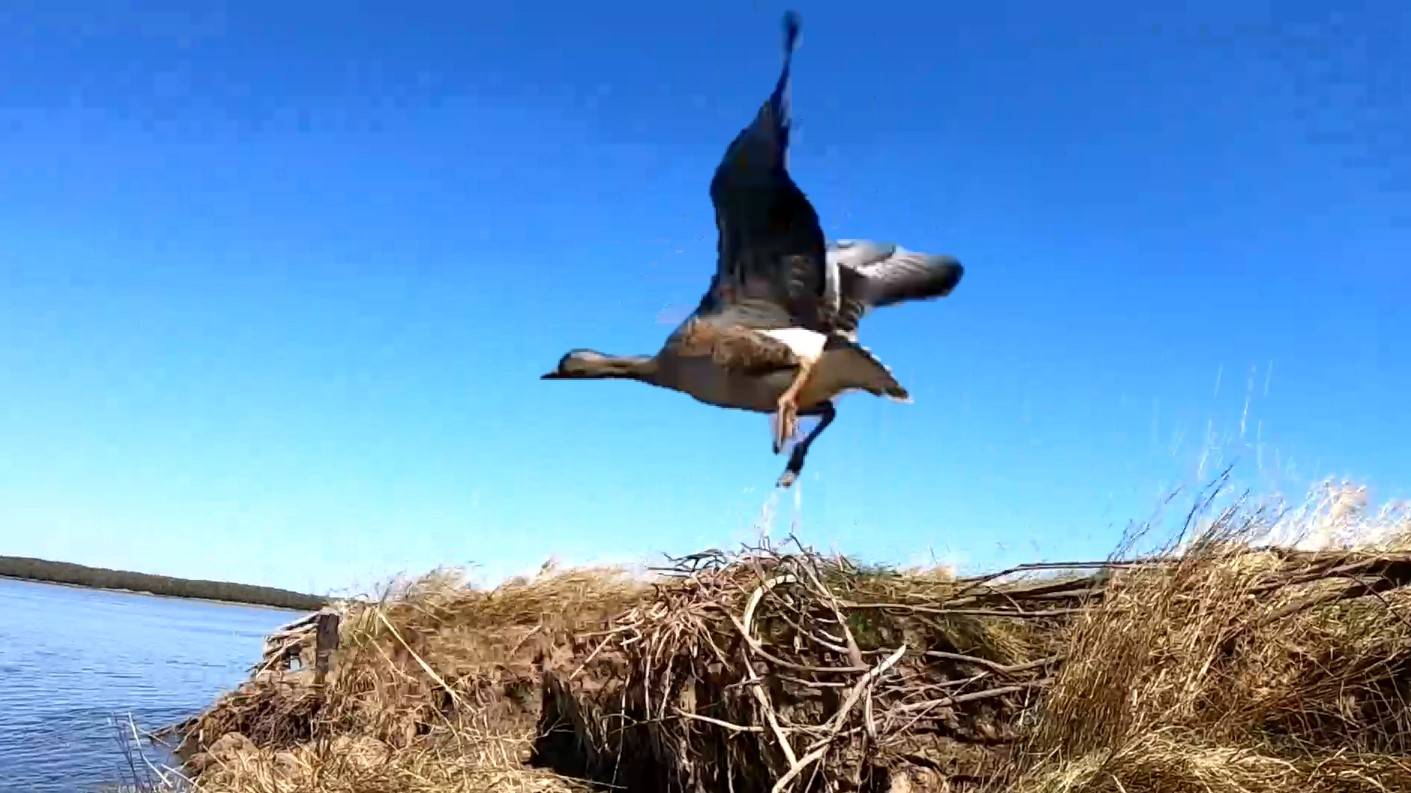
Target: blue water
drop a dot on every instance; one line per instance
(71, 658)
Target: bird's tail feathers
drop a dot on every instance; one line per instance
(847, 366)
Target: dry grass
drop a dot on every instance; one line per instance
(441, 679)
(366, 765)
(1218, 667)
(1235, 669)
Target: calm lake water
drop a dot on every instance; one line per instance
(71, 658)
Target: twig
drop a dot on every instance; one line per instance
(717, 722)
(798, 768)
(968, 612)
(1074, 588)
(835, 724)
(854, 654)
(997, 668)
(759, 593)
(455, 698)
(977, 695)
(590, 657)
(769, 717)
(863, 683)
(757, 646)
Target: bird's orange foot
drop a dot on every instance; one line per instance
(786, 423)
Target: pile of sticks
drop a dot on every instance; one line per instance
(821, 675)
(310, 641)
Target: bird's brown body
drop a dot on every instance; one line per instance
(737, 367)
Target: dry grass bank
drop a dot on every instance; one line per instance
(1225, 667)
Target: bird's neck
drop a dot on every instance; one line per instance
(631, 367)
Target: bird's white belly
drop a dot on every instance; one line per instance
(806, 344)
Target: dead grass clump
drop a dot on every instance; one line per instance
(441, 674)
(1228, 667)
(1171, 762)
(272, 711)
(349, 765)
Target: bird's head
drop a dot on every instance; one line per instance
(583, 364)
(577, 364)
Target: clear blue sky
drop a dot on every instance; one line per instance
(277, 280)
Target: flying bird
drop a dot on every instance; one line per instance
(776, 331)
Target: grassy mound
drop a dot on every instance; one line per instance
(1223, 666)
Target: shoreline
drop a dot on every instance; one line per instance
(146, 593)
(43, 571)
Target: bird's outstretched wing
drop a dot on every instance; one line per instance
(770, 245)
(875, 274)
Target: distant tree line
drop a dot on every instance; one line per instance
(103, 578)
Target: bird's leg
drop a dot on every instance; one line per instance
(796, 458)
(786, 418)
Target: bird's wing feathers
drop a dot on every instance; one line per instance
(878, 274)
(760, 151)
(770, 244)
(748, 312)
